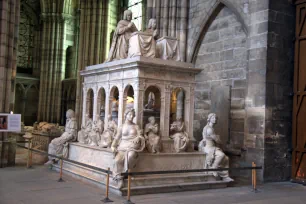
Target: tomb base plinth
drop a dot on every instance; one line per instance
(103, 158)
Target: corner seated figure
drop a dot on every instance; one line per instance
(59, 146)
(96, 132)
(126, 145)
(215, 157)
(108, 135)
(122, 34)
(85, 130)
(151, 29)
(152, 138)
(179, 135)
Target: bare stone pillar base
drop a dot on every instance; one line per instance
(7, 153)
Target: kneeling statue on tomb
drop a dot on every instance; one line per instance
(215, 157)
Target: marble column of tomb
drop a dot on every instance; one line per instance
(140, 73)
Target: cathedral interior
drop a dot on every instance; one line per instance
(248, 53)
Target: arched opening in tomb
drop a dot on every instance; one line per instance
(90, 103)
(177, 106)
(151, 104)
(128, 97)
(114, 103)
(101, 104)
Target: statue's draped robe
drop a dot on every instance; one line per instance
(153, 140)
(120, 42)
(58, 146)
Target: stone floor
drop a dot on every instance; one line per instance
(39, 185)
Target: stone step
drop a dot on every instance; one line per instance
(167, 188)
(170, 179)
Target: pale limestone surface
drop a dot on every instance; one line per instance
(83, 134)
(141, 73)
(167, 48)
(120, 42)
(109, 133)
(179, 135)
(142, 44)
(215, 157)
(147, 162)
(127, 143)
(59, 146)
(151, 133)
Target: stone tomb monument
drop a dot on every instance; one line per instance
(133, 79)
(152, 102)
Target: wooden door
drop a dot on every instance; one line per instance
(299, 101)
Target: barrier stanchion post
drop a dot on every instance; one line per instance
(106, 199)
(29, 159)
(128, 201)
(31, 153)
(254, 182)
(61, 170)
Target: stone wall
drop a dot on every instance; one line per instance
(279, 79)
(223, 58)
(249, 50)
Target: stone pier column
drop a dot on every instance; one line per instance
(95, 104)
(138, 104)
(107, 107)
(9, 23)
(166, 109)
(121, 108)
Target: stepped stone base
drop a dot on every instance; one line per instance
(103, 158)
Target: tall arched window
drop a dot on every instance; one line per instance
(137, 8)
(25, 41)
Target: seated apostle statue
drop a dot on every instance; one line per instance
(96, 132)
(59, 145)
(108, 134)
(215, 157)
(179, 135)
(126, 145)
(120, 43)
(85, 130)
(153, 143)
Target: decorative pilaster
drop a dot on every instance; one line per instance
(138, 103)
(121, 108)
(166, 110)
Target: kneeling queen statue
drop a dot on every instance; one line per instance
(126, 145)
(215, 157)
(59, 145)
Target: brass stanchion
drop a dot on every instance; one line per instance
(106, 199)
(29, 159)
(61, 171)
(128, 201)
(254, 183)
